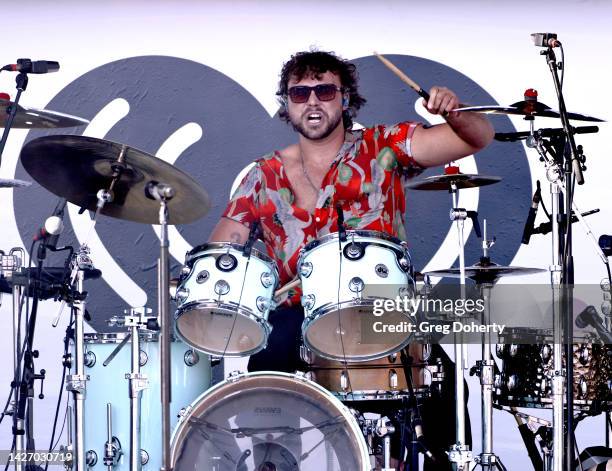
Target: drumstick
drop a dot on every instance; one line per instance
(287, 287)
(403, 77)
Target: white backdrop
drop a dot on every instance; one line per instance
(248, 41)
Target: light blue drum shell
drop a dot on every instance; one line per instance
(109, 385)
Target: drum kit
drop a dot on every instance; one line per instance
(225, 291)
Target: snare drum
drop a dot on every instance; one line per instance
(382, 379)
(268, 420)
(190, 375)
(224, 299)
(339, 311)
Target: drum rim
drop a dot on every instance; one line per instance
(242, 310)
(301, 378)
(325, 310)
(192, 254)
(357, 232)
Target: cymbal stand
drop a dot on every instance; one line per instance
(77, 383)
(459, 453)
(487, 459)
(163, 193)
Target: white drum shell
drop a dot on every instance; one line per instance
(225, 312)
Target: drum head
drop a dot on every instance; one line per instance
(353, 333)
(221, 330)
(268, 419)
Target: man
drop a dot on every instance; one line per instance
(294, 193)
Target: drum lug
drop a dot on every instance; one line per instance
(306, 269)
(583, 388)
(308, 301)
(191, 357)
(301, 375)
(186, 270)
(546, 353)
(267, 279)
(344, 380)
(584, 355)
(143, 358)
(356, 284)
(393, 382)
(392, 358)
(90, 359)
(222, 287)
(263, 304)
(181, 295)
(91, 458)
(226, 262)
(305, 354)
(144, 457)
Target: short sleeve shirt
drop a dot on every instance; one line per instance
(366, 180)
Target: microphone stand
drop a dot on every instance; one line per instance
(566, 165)
(22, 84)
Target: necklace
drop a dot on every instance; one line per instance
(305, 172)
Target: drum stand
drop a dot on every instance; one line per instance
(136, 320)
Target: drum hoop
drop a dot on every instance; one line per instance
(241, 310)
(380, 394)
(341, 408)
(353, 232)
(193, 253)
(329, 308)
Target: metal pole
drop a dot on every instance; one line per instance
(558, 379)
(164, 314)
(19, 425)
(135, 395)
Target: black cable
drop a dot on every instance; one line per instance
(59, 399)
(562, 67)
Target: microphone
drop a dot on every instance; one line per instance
(341, 228)
(27, 66)
(546, 227)
(545, 40)
(248, 246)
(417, 425)
(50, 232)
(535, 202)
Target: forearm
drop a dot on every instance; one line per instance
(474, 129)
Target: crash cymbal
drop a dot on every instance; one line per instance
(527, 108)
(443, 182)
(77, 167)
(12, 183)
(31, 118)
(485, 272)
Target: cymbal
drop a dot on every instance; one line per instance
(443, 182)
(13, 183)
(527, 108)
(485, 272)
(77, 167)
(31, 118)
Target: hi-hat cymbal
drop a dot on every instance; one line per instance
(443, 182)
(485, 272)
(527, 108)
(77, 167)
(31, 118)
(13, 183)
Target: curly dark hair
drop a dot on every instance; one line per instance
(315, 63)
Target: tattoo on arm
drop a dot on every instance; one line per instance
(236, 237)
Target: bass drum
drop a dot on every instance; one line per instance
(268, 421)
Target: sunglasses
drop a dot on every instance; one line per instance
(324, 92)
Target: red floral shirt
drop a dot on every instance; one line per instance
(366, 180)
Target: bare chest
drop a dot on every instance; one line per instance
(306, 183)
